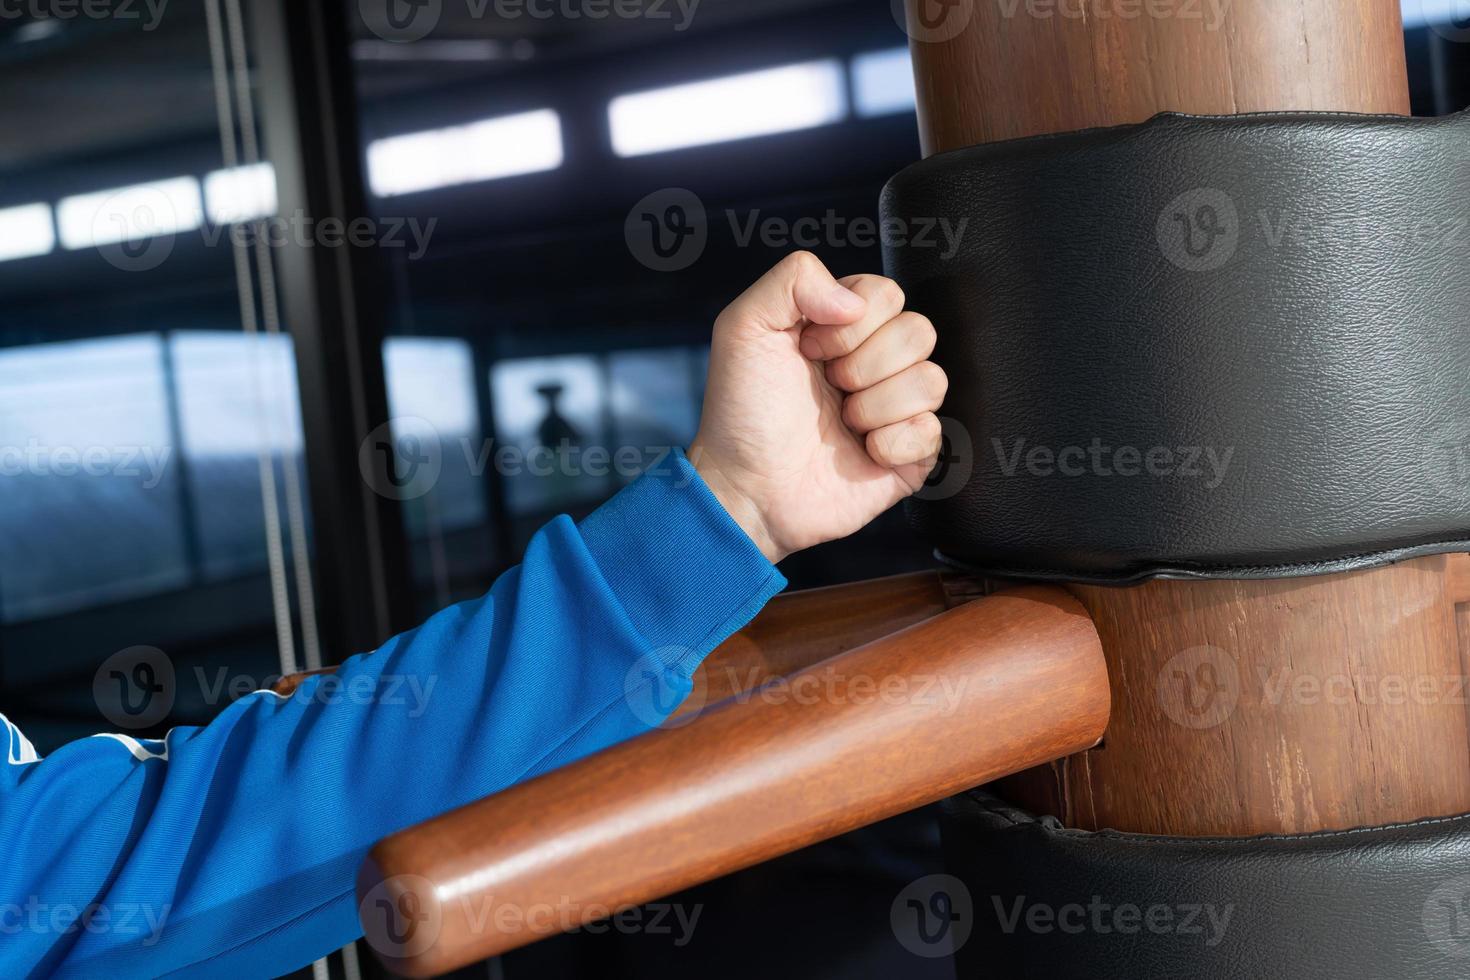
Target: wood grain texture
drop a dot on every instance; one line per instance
(1293, 705)
(798, 629)
(803, 628)
(1028, 67)
(1459, 578)
(1338, 746)
(992, 686)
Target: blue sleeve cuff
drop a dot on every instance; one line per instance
(685, 572)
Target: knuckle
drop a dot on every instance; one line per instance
(890, 291)
(864, 284)
(879, 446)
(815, 336)
(843, 343)
(934, 380)
(844, 374)
(801, 262)
(880, 290)
(931, 432)
(921, 332)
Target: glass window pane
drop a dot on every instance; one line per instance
(91, 509)
(432, 380)
(237, 393)
(654, 402)
(548, 413)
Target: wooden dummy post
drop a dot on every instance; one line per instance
(747, 780)
(1239, 707)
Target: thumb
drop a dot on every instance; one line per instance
(799, 288)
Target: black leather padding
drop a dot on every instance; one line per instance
(1233, 347)
(1055, 904)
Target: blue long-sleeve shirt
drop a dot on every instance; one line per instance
(231, 850)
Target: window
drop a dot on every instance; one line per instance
(91, 477)
(130, 214)
(26, 231)
(431, 381)
(240, 194)
(775, 100)
(883, 82)
(502, 147)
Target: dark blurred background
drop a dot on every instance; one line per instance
(529, 295)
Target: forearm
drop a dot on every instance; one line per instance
(253, 826)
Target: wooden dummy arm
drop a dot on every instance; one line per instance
(799, 629)
(986, 689)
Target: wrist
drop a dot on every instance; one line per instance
(741, 508)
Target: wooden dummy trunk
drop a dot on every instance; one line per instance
(1267, 762)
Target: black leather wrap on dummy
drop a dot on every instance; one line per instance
(1230, 347)
(1056, 904)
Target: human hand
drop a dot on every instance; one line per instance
(819, 414)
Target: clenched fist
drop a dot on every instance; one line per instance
(820, 410)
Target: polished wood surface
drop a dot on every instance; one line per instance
(990, 687)
(1291, 705)
(1027, 67)
(1458, 569)
(1204, 738)
(289, 684)
(798, 629)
